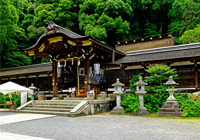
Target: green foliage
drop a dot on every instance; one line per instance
(105, 20)
(156, 97)
(135, 78)
(191, 36)
(130, 102)
(159, 74)
(191, 16)
(189, 107)
(157, 93)
(16, 99)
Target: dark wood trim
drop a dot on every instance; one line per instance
(54, 79)
(196, 74)
(27, 81)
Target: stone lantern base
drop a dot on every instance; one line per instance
(141, 111)
(170, 109)
(118, 110)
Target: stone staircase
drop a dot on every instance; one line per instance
(56, 107)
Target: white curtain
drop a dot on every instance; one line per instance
(97, 68)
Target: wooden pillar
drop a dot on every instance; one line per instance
(87, 77)
(54, 79)
(48, 81)
(78, 84)
(196, 74)
(144, 71)
(37, 81)
(124, 75)
(26, 81)
(17, 79)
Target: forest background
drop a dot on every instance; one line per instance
(22, 22)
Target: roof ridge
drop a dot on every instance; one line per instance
(164, 49)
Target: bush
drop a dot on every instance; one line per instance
(130, 101)
(155, 98)
(189, 107)
(16, 99)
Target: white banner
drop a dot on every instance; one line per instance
(23, 97)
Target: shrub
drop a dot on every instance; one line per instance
(130, 101)
(189, 107)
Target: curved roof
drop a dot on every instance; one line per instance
(62, 44)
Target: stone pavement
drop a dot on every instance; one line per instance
(10, 136)
(21, 117)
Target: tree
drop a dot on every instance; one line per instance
(191, 36)
(105, 20)
(10, 54)
(159, 74)
(160, 6)
(191, 16)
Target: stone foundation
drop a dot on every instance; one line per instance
(141, 111)
(118, 110)
(170, 109)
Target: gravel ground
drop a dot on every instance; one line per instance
(105, 127)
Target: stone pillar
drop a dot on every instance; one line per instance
(118, 92)
(140, 90)
(171, 107)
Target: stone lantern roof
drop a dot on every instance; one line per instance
(140, 82)
(171, 82)
(118, 84)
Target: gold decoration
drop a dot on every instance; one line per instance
(41, 48)
(86, 42)
(68, 58)
(91, 48)
(55, 39)
(68, 55)
(71, 42)
(31, 53)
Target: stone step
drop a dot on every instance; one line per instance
(57, 101)
(170, 114)
(170, 106)
(170, 110)
(52, 106)
(47, 109)
(45, 112)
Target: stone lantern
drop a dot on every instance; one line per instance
(140, 90)
(32, 87)
(171, 83)
(118, 92)
(171, 107)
